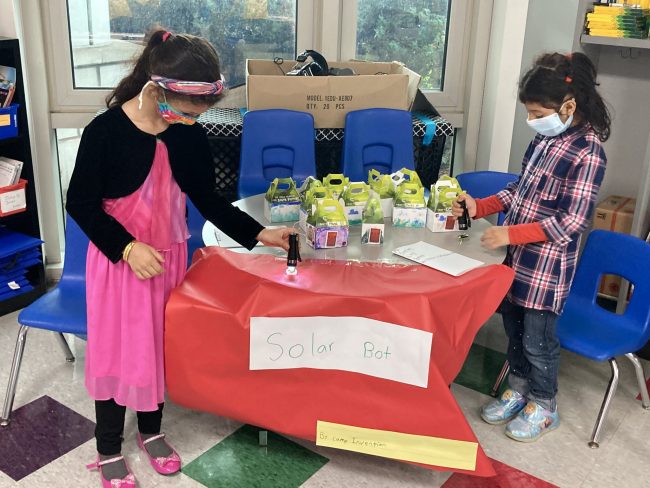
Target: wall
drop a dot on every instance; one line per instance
(625, 85)
(549, 27)
(500, 94)
(7, 19)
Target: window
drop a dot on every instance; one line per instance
(92, 43)
(106, 35)
(412, 31)
(428, 36)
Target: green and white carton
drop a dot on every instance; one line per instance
(309, 183)
(443, 194)
(405, 174)
(383, 186)
(409, 208)
(307, 206)
(372, 227)
(327, 226)
(336, 183)
(282, 201)
(354, 198)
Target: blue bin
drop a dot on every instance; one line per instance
(9, 121)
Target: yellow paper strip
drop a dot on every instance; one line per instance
(5, 120)
(434, 451)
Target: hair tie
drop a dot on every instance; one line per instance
(166, 36)
(568, 80)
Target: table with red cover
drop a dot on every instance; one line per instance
(207, 342)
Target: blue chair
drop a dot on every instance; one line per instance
(377, 138)
(481, 184)
(587, 329)
(275, 144)
(195, 222)
(62, 310)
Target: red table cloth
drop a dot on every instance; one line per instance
(207, 342)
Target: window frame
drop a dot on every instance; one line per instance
(65, 98)
(449, 100)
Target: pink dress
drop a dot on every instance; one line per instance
(124, 355)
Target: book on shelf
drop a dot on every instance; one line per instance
(7, 85)
(10, 170)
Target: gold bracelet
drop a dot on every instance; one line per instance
(127, 250)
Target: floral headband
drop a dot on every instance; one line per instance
(189, 87)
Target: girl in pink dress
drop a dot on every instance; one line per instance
(135, 165)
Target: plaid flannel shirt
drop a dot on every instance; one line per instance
(557, 187)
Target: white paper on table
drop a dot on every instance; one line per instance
(357, 344)
(438, 258)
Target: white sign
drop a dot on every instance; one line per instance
(12, 200)
(356, 344)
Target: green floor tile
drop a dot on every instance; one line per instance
(240, 461)
(481, 369)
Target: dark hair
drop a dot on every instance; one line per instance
(556, 77)
(178, 56)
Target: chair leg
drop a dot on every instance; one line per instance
(640, 377)
(13, 376)
(604, 408)
(500, 379)
(69, 357)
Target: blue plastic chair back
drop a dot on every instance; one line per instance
(588, 329)
(195, 223)
(377, 138)
(275, 144)
(64, 308)
(481, 184)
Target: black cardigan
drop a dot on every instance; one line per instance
(114, 160)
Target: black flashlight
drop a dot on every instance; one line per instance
(294, 255)
(464, 221)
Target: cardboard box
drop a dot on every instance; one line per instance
(327, 237)
(443, 194)
(615, 213)
(441, 221)
(330, 98)
(282, 201)
(276, 212)
(409, 217)
(372, 234)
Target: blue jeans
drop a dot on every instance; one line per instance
(533, 352)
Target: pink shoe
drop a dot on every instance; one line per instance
(127, 482)
(163, 465)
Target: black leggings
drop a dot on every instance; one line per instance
(110, 425)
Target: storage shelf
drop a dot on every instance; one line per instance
(11, 140)
(616, 41)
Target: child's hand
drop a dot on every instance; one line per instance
(145, 261)
(276, 237)
(457, 210)
(496, 236)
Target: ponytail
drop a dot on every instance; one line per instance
(176, 56)
(131, 86)
(556, 77)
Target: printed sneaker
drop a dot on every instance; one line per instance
(532, 422)
(503, 409)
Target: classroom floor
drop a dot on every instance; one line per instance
(50, 440)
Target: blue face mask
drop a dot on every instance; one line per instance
(551, 125)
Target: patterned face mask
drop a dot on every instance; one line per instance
(173, 116)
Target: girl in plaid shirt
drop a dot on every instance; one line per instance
(547, 210)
